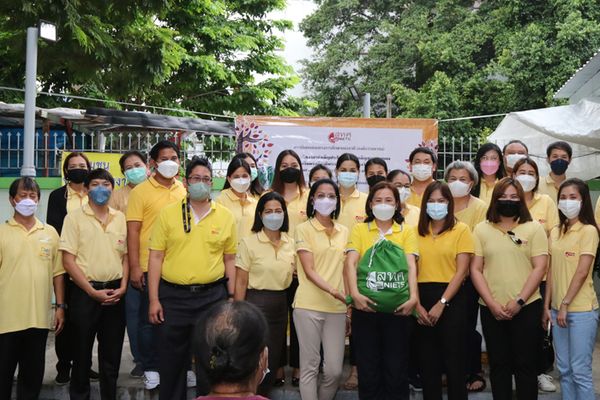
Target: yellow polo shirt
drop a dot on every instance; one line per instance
(353, 210)
(597, 211)
(506, 264)
(98, 249)
(485, 191)
(411, 214)
(437, 253)
(146, 201)
(543, 210)
(243, 210)
(474, 213)
(565, 250)
(365, 235)
(328, 257)
(196, 257)
(415, 199)
(28, 262)
(547, 186)
(269, 267)
(75, 200)
(120, 198)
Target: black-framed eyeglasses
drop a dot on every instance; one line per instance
(514, 238)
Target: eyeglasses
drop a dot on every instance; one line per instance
(514, 238)
(196, 179)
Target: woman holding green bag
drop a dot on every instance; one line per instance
(381, 275)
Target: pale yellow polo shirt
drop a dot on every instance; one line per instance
(269, 267)
(98, 249)
(565, 250)
(474, 213)
(195, 257)
(597, 211)
(437, 253)
(120, 198)
(506, 264)
(544, 211)
(328, 257)
(414, 199)
(28, 262)
(485, 191)
(146, 201)
(75, 200)
(411, 214)
(353, 209)
(243, 210)
(547, 186)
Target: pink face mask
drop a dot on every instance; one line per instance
(489, 167)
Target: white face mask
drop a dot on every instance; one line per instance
(511, 159)
(570, 208)
(404, 194)
(240, 185)
(273, 221)
(168, 168)
(527, 181)
(384, 212)
(26, 207)
(325, 206)
(459, 189)
(422, 172)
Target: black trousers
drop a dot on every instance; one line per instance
(27, 349)
(90, 319)
(63, 343)
(473, 350)
(381, 344)
(273, 304)
(184, 314)
(512, 348)
(441, 348)
(294, 356)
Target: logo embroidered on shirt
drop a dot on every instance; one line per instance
(570, 254)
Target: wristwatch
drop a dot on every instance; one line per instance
(61, 305)
(444, 302)
(520, 302)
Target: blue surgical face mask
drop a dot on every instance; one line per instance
(136, 175)
(100, 195)
(347, 179)
(437, 211)
(199, 191)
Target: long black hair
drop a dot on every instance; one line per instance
(586, 214)
(476, 191)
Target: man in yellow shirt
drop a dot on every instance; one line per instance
(94, 252)
(191, 267)
(559, 157)
(28, 269)
(145, 203)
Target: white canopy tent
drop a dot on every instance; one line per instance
(578, 124)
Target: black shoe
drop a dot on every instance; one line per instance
(94, 376)
(279, 382)
(137, 371)
(62, 378)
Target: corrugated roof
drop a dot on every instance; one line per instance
(589, 72)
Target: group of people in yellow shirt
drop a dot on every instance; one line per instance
(405, 270)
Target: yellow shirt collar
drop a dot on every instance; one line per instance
(38, 225)
(71, 193)
(155, 183)
(262, 237)
(317, 225)
(395, 227)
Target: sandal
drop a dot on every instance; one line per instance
(473, 379)
(352, 382)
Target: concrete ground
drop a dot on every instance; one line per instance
(132, 389)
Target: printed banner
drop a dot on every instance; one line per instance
(108, 161)
(323, 140)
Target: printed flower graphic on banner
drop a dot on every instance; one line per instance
(250, 138)
(430, 144)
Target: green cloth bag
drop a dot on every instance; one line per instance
(382, 276)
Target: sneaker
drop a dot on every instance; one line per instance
(151, 380)
(545, 383)
(62, 378)
(94, 376)
(191, 379)
(415, 384)
(137, 372)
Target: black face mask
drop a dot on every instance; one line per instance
(77, 175)
(375, 179)
(559, 166)
(508, 208)
(290, 175)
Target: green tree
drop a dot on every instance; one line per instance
(447, 58)
(202, 55)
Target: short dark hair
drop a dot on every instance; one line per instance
(586, 214)
(260, 207)
(310, 207)
(128, 154)
(513, 142)
(425, 219)
(98, 173)
(424, 150)
(319, 167)
(528, 161)
(231, 342)
(394, 173)
(277, 184)
(197, 162)
(492, 214)
(24, 183)
(476, 191)
(376, 161)
(348, 157)
(560, 145)
(73, 155)
(398, 218)
(236, 162)
(163, 144)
